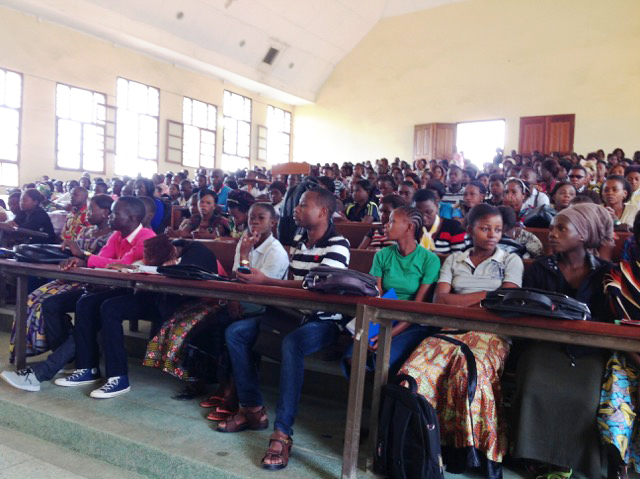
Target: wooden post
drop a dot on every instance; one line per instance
(356, 391)
(21, 321)
(381, 374)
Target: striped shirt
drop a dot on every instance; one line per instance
(330, 250)
(450, 237)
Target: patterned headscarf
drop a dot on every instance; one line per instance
(592, 222)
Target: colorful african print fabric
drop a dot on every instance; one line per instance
(166, 350)
(617, 412)
(440, 369)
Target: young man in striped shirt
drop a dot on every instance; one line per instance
(319, 243)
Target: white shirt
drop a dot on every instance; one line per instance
(270, 258)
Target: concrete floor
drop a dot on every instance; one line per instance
(63, 433)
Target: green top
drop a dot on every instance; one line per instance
(405, 274)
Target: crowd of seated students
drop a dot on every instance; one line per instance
(571, 403)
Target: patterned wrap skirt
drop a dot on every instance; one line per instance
(36, 340)
(440, 369)
(166, 350)
(617, 412)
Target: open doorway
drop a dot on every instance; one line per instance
(478, 140)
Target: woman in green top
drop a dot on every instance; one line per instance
(410, 270)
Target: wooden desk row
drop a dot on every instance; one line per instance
(366, 310)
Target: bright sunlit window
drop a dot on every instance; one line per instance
(10, 111)
(80, 122)
(236, 145)
(199, 134)
(278, 135)
(137, 129)
(478, 140)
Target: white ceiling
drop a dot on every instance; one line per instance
(229, 38)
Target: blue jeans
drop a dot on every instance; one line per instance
(402, 346)
(304, 340)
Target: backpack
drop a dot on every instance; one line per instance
(286, 226)
(408, 443)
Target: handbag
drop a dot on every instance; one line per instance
(41, 253)
(535, 302)
(190, 271)
(326, 279)
(540, 217)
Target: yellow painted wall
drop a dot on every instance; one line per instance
(480, 60)
(46, 54)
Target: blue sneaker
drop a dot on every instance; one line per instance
(114, 386)
(80, 377)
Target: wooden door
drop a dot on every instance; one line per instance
(422, 141)
(559, 133)
(546, 134)
(445, 141)
(532, 134)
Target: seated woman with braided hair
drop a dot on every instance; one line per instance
(558, 385)
(409, 270)
(471, 434)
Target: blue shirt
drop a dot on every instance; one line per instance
(222, 197)
(448, 211)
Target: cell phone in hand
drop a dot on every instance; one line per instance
(244, 269)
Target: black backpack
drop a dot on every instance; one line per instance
(408, 443)
(286, 226)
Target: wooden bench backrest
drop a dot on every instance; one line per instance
(543, 236)
(354, 232)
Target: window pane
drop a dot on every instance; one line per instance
(186, 111)
(8, 174)
(137, 128)
(13, 90)
(278, 136)
(237, 126)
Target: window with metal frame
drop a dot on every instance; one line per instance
(199, 133)
(81, 118)
(236, 144)
(137, 119)
(10, 115)
(278, 135)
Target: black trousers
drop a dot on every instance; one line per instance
(113, 310)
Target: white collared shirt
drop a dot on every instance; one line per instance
(270, 258)
(133, 234)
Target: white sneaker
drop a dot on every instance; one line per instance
(24, 379)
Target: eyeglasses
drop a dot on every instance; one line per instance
(577, 177)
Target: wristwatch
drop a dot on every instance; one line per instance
(245, 262)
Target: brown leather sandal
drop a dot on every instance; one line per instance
(252, 421)
(282, 454)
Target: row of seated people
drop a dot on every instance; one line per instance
(559, 387)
